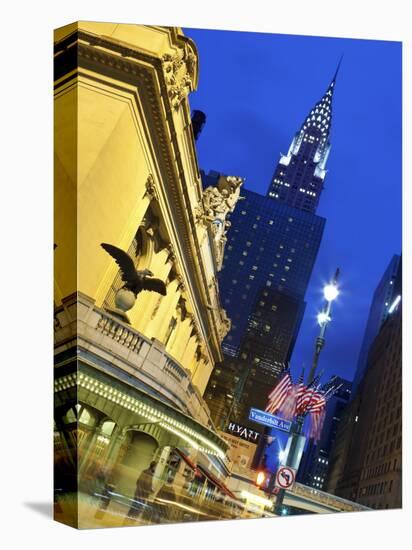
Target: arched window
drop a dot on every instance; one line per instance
(70, 417)
(107, 428)
(86, 417)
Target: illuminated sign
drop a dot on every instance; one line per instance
(241, 431)
(266, 419)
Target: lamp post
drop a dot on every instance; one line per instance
(330, 292)
(296, 439)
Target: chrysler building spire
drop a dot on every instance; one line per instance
(299, 175)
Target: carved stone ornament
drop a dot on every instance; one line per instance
(151, 190)
(225, 325)
(181, 285)
(218, 201)
(179, 70)
(171, 256)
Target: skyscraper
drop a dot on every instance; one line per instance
(299, 175)
(382, 299)
(366, 459)
(272, 245)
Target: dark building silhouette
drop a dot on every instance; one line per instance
(272, 245)
(378, 312)
(198, 121)
(314, 466)
(366, 460)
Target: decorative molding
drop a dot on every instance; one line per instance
(178, 70)
(151, 190)
(136, 68)
(181, 285)
(171, 257)
(217, 202)
(225, 324)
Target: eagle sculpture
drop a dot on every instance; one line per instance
(134, 280)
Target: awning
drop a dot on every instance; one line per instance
(217, 482)
(188, 461)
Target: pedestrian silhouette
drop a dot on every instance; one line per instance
(144, 489)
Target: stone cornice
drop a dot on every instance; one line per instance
(146, 72)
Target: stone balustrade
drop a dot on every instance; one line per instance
(96, 331)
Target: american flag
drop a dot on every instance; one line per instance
(301, 389)
(306, 397)
(317, 410)
(316, 423)
(317, 402)
(278, 395)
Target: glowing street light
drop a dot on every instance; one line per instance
(323, 318)
(330, 292)
(282, 456)
(260, 478)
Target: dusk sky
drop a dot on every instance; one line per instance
(256, 90)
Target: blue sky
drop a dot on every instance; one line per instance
(256, 89)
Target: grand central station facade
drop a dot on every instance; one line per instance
(131, 366)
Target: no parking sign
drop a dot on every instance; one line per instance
(285, 477)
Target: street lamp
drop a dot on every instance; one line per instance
(296, 440)
(330, 292)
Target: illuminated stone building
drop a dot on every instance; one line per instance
(129, 382)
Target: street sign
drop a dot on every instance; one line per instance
(285, 477)
(267, 419)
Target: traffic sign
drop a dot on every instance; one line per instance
(285, 477)
(267, 419)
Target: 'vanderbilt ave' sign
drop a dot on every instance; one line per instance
(243, 432)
